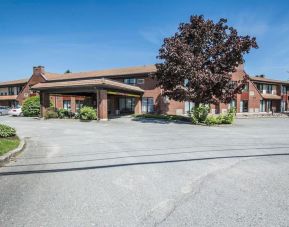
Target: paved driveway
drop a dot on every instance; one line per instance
(126, 173)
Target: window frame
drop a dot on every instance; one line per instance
(147, 105)
(68, 102)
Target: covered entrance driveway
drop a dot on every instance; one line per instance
(109, 97)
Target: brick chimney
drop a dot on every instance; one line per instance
(37, 70)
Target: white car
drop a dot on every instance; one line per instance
(4, 110)
(17, 111)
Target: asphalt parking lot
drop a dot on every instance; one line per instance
(147, 173)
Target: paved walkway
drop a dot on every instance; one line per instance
(127, 173)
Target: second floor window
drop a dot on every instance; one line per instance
(18, 90)
(246, 88)
(11, 91)
(283, 89)
(131, 81)
(269, 89)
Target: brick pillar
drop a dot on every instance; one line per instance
(44, 103)
(73, 104)
(137, 108)
(102, 105)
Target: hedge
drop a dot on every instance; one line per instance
(6, 131)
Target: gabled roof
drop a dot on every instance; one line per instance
(86, 83)
(116, 72)
(267, 80)
(13, 82)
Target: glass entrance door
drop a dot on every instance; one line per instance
(126, 105)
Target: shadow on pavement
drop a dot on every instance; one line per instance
(12, 173)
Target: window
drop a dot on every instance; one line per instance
(67, 105)
(262, 106)
(130, 81)
(78, 105)
(246, 88)
(1, 93)
(232, 104)
(126, 105)
(186, 81)
(147, 105)
(283, 106)
(140, 81)
(10, 91)
(269, 89)
(189, 106)
(244, 106)
(18, 90)
(283, 89)
(269, 105)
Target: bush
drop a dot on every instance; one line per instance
(87, 113)
(31, 107)
(164, 117)
(212, 120)
(62, 113)
(227, 118)
(200, 114)
(6, 131)
(50, 113)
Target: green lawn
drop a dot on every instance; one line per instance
(8, 144)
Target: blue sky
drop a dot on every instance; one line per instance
(88, 35)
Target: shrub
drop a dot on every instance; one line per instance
(62, 113)
(164, 117)
(31, 106)
(212, 120)
(50, 113)
(200, 114)
(87, 113)
(227, 118)
(6, 131)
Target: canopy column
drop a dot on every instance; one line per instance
(102, 109)
(137, 108)
(44, 102)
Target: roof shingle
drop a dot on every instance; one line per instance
(116, 72)
(13, 82)
(86, 83)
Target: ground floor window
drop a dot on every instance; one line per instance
(126, 105)
(78, 105)
(232, 104)
(189, 106)
(283, 106)
(244, 106)
(67, 105)
(147, 105)
(262, 106)
(269, 105)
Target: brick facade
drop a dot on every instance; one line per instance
(248, 101)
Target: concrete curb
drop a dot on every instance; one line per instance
(6, 157)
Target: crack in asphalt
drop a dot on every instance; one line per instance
(193, 192)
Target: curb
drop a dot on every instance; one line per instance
(6, 157)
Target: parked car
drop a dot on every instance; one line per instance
(17, 111)
(4, 110)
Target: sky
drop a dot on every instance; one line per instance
(89, 35)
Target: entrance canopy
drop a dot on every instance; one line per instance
(86, 85)
(100, 90)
